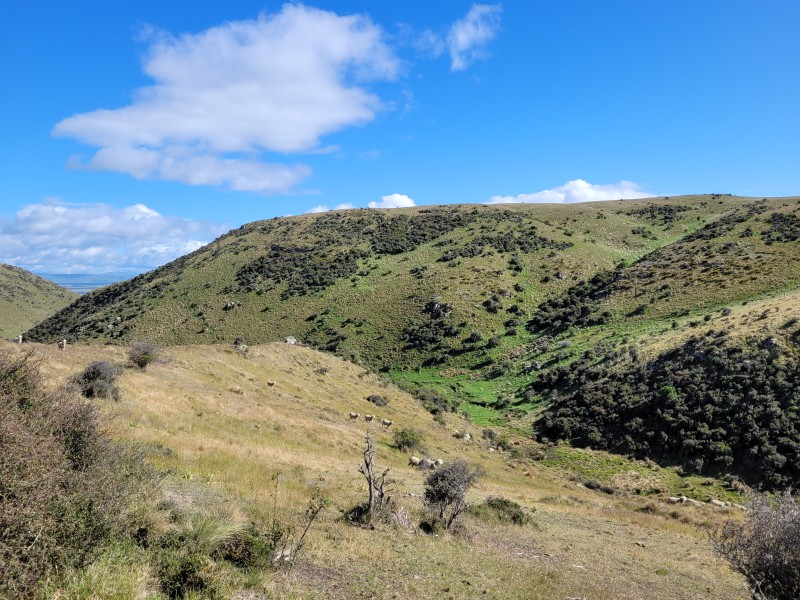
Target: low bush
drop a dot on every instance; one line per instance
(407, 439)
(65, 489)
(98, 380)
(497, 508)
(378, 400)
(446, 490)
(142, 354)
(766, 550)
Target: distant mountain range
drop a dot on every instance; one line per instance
(82, 283)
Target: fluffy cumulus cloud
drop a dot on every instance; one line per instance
(393, 201)
(321, 208)
(225, 96)
(54, 237)
(466, 39)
(578, 190)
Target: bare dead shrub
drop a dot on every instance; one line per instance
(380, 487)
(766, 549)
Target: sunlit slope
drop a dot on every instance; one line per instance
(361, 282)
(232, 439)
(26, 299)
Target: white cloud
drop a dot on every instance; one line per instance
(56, 237)
(393, 201)
(465, 39)
(321, 208)
(277, 84)
(578, 190)
(468, 37)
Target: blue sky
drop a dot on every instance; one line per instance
(133, 132)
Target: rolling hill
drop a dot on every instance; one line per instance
(492, 310)
(361, 282)
(26, 299)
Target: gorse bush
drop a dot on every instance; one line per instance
(98, 380)
(64, 488)
(766, 550)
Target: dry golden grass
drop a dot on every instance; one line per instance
(210, 417)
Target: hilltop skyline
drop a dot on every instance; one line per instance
(136, 133)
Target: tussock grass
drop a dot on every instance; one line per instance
(214, 423)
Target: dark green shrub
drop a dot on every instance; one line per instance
(98, 380)
(180, 572)
(497, 508)
(407, 439)
(672, 408)
(247, 549)
(378, 400)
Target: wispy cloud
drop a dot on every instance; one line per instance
(225, 96)
(56, 237)
(393, 201)
(578, 190)
(466, 39)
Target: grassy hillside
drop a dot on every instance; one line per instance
(490, 309)
(358, 281)
(240, 449)
(26, 299)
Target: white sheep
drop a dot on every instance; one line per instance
(368, 418)
(62, 344)
(427, 464)
(354, 416)
(19, 338)
(386, 423)
(414, 461)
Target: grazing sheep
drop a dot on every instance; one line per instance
(719, 503)
(426, 464)
(271, 383)
(684, 500)
(467, 437)
(368, 418)
(439, 462)
(354, 416)
(62, 344)
(386, 423)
